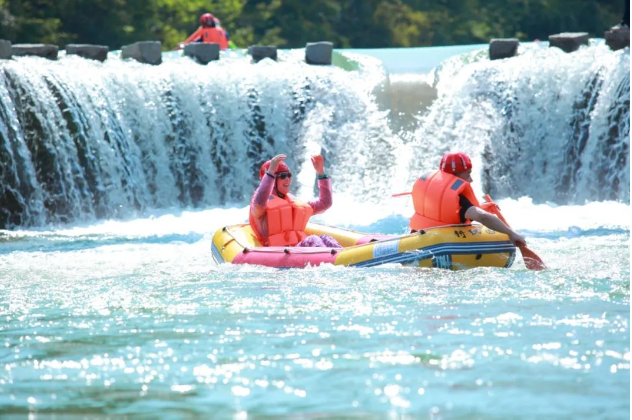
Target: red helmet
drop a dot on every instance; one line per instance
(455, 162)
(207, 19)
(281, 168)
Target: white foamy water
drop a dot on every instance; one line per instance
(120, 316)
(545, 124)
(112, 306)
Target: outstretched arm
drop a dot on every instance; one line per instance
(493, 222)
(324, 187)
(195, 35)
(324, 197)
(260, 197)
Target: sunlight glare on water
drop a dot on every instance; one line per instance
(133, 317)
(111, 305)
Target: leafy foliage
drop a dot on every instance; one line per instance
(292, 23)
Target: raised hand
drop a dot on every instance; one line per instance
(319, 164)
(274, 163)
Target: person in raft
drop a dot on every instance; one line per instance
(208, 32)
(277, 217)
(445, 197)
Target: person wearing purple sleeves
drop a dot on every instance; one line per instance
(277, 217)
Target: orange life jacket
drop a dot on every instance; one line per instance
(215, 35)
(436, 200)
(287, 219)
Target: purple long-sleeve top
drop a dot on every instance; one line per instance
(262, 194)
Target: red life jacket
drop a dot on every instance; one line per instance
(287, 218)
(436, 200)
(216, 36)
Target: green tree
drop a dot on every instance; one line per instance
(292, 23)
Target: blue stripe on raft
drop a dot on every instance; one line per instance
(216, 254)
(511, 259)
(443, 249)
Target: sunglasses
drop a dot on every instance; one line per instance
(283, 175)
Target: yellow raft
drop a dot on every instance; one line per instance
(452, 247)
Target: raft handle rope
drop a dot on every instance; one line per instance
(306, 250)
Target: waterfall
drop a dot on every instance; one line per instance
(546, 124)
(82, 140)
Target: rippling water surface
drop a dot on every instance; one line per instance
(133, 319)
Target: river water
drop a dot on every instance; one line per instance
(111, 305)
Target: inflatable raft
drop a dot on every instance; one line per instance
(452, 247)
